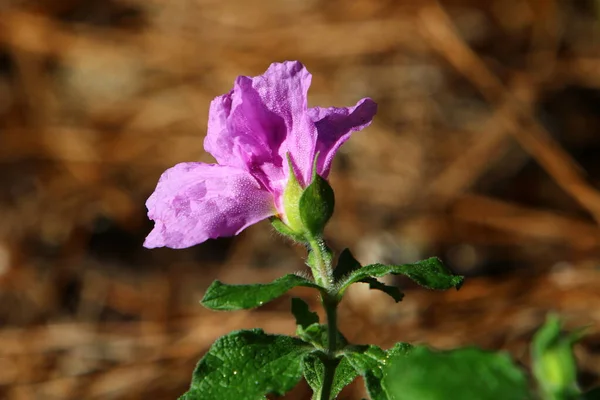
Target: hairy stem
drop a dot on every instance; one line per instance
(320, 262)
(330, 305)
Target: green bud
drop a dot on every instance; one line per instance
(553, 361)
(307, 210)
(316, 206)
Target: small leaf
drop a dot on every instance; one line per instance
(304, 317)
(365, 357)
(392, 291)
(430, 273)
(400, 349)
(248, 365)
(314, 369)
(369, 362)
(431, 375)
(317, 335)
(220, 296)
(316, 206)
(346, 264)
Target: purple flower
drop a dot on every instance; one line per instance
(251, 129)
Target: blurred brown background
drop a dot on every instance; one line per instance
(485, 152)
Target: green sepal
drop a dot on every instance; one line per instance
(286, 231)
(314, 368)
(291, 201)
(554, 365)
(248, 365)
(316, 206)
(467, 373)
(429, 273)
(220, 296)
(304, 317)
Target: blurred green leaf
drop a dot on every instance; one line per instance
(466, 374)
(593, 394)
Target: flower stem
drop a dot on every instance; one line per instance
(330, 305)
(323, 272)
(320, 262)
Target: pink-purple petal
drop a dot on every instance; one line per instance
(194, 202)
(242, 132)
(283, 89)
(335, 126)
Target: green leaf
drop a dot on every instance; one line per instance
(314, 369)
(248, 365)
(554, 365)
(346, 264)
(392, 291)
(316, 206)
(467, 374)
(365, 357)
(220, 296)
(430, 273)
(304, 317)
(316, 334)
(399, 349)
(369, 362)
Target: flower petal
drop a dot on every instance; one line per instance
(195, 201)
(284, 90)
(243, 133)
(261, 120)
(335, 125)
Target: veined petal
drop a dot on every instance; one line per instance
(283, 89)
(260, 121)
(243, 133)
(195, 201)
(335, 125)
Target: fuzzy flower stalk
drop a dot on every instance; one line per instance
(269, 147)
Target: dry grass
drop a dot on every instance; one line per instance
(484, 152)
